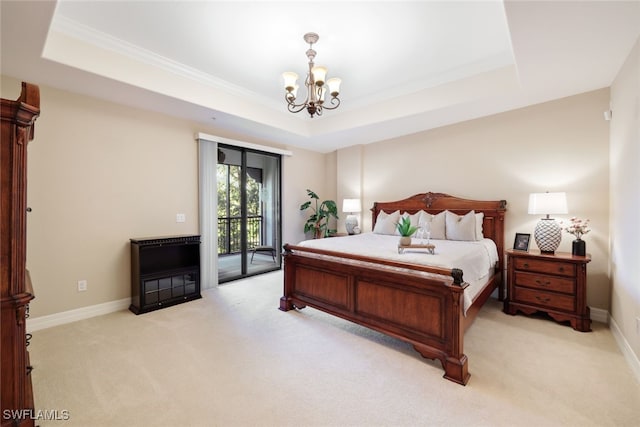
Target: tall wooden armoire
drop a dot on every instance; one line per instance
(16, 291)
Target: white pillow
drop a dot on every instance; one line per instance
(386, 223)
(479, 230)
(460, 227)
(436, 225)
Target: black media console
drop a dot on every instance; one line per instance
(164, 271)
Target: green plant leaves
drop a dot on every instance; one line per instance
(305, 205)
(405, 228)
(318, 221)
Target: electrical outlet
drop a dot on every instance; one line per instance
(180, 217)
(82, 285)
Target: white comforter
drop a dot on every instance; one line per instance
(476, 259)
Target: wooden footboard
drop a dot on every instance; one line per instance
(420, 305)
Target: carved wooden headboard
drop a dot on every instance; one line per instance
(433, 203)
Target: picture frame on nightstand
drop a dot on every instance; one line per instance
(521, 242)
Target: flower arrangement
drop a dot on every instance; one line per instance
(578, 227)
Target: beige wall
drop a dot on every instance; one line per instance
(556, 146)
(625, 200)
(304, 170)
(349, 175)
(100, 173)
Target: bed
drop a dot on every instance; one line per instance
(423, 305)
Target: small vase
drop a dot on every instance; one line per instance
(579, 247)
(405, 240)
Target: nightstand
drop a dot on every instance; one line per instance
(552, 283)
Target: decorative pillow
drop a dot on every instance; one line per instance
(479, 231)
(460, 227)
(436, 225)
(386, 223)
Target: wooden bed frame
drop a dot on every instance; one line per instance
(418, 304)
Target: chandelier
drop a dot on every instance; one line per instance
(315, 83)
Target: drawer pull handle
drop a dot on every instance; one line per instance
(543, 299)
(526, 265)
(561, 269)
(540, 282)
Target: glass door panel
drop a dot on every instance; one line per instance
(248, 212)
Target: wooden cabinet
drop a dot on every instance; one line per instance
(16, 395)
(164, 271)
(555, 284)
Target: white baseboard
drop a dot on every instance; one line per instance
(44, 322)
(599, 315)
(626, 349)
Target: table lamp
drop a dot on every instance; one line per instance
(548, 233)
(351, 207)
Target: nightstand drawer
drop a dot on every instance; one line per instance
(541, 266)
(545, 299)
(547, 283)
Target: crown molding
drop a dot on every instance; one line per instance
(106, 41)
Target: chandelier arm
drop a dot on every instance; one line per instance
(295, 108)
(335, 101)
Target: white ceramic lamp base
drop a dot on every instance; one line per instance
(350, 223)
(548, 235)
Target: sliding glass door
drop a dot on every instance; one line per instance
(248, 212)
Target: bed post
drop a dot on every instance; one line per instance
(456, 273)
(455, 364)
(452, 357)
(286, 303)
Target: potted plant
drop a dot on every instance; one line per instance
(318, 222)
(406, 230)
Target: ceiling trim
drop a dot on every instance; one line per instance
(103, 40)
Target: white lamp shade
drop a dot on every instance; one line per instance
(548, 203)
(294, 92)
(319, 74)
(290, 79)
(334, 86)
(323, 91)
(351, 205)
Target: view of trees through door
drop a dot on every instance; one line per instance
(229, 208)
(248, 212)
